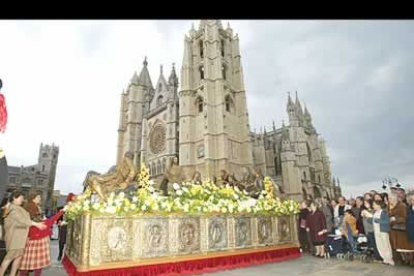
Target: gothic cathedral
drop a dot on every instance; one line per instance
(205, 122)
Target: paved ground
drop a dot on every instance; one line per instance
(305, 265)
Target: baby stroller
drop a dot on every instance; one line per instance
(338, 246)
(362, 250)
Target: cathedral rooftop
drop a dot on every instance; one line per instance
(144, 76)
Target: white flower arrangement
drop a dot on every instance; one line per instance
(206, 198)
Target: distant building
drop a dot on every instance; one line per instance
(59, 200)
(39, 177)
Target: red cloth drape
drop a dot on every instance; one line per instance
(3, 113)
(36, 234)
(192, 267)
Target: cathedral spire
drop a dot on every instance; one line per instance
(162, 83)
(308, 118)
(298, 105)
(173, 79)
(299, 110)
(144, 76)
(273, 125)
(290, 105)
(134, 79)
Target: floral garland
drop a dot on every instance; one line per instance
(188, 198)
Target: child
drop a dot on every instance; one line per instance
(349, 227)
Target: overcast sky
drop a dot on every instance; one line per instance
(63, 80)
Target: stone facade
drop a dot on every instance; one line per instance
(206, 123)
(39, 177)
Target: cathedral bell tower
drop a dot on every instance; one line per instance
(214, 122)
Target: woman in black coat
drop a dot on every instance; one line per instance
(303, 235)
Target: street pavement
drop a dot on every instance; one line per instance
(306, 265)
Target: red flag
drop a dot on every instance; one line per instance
(3, 113)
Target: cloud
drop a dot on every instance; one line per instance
(62, 81)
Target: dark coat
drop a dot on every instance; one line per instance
(316, 222)
(410, 224)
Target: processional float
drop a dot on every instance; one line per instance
(130, 227)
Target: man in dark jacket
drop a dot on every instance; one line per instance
(62, 235)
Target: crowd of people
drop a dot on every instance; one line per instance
(385, 219)
(26, 233)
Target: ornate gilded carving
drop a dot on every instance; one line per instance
(95, 251)
(117, 238)
(217, 233)
(204, 233)
(294, 227)
(231, 232)
(284, 229)
(74, 241)
(255, 235)
(264, 230)
(189, 235)
(85, 234)
(157, 139)
(136, 237)
(173, 233)
(93, 241)
(155, 237)
(116, 243)
(243, 234)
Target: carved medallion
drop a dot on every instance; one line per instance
(265, 230)
(284, 229)
(243, 232)
(117, 238)
(189, 236)
(157, 139)
(155, 237)
(217, 233)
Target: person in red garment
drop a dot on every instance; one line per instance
(3, 111)
(316, 226)
(37, 252)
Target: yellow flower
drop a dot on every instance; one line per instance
(227, 191)
(195, 189)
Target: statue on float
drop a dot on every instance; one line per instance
(196, 179)
(121, 178)
(173, 174)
